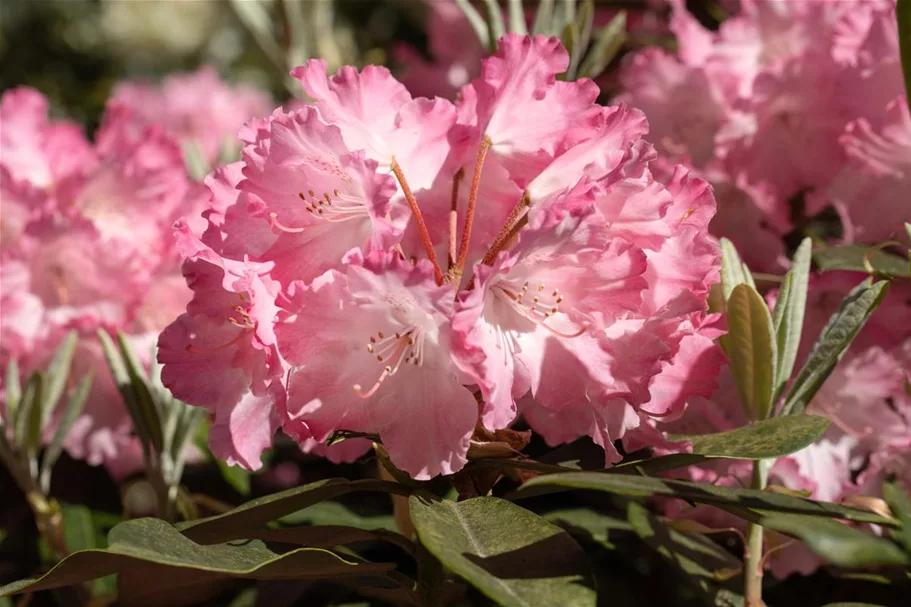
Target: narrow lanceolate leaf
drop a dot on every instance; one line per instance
(57, 373)
(752, 349)
(495, 24)
(838, 544)
(788, 316)
(510, 554)
(903, 12)
(24, 410)
(73, 408)
(517, 17)
(33, 436)
(543, 18)
(256, 513)
(582, 28)
(606, 47)
(733, 270)
(859, 258)
(13, 390)
(900, 504)
(153, 549)
(836, 337)
(769, 438)
(146, 406)
(478, 24)
(751, 500)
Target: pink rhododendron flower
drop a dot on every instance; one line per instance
(87, 245)
(197, 109)
(787, 101)
(559, 271)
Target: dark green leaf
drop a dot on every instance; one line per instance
(27, 403)
(833, 342)
(328, 536)
(156, 549)
(256, 513)
(903, 13)
(838, 544)
(513, 556)
(55, 448)
(768, 438)
(900, 504)
(788, 315)
(704, 563)
(655, 465)
(35, 415)
(334, 513)
(752, 349)
(585, 522)
(853, 257)
(643, 486)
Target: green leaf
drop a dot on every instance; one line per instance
(495, 24)
(153, 549)
(334, 513)
(517, 17)
(751, 347)
(149, 415)
(644, 486)
(838, 544)
(56, 375)
(13, 390)
(34, 425)
(838, 333)
(788, 315)
(256, 513)
(704, 563)
(329, 536)
(605, 48)
(663, 463)
(24, 412)
(510, 554)
(543, 18)
(856, 258)
(764, 439)
(55, 448)
(478, 24)
(733, 271)
(583, 522)
(900, 504)
(903, 13)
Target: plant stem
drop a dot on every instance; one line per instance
(752, 569)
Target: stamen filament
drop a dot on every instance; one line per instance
(472, 204)
(516, 221)
(454, 217)
(197, 350)
(419, 220)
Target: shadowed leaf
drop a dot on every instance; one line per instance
(512, 555)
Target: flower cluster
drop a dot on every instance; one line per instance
(820, 77)
(412, 268)
(87, 244)
(790, 108)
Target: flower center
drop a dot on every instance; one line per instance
(333, 208)
(535, 302)
(392, 352)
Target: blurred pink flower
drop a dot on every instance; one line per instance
(197, 108)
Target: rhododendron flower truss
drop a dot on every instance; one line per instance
(402, 260)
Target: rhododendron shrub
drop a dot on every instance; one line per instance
(412, 268)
